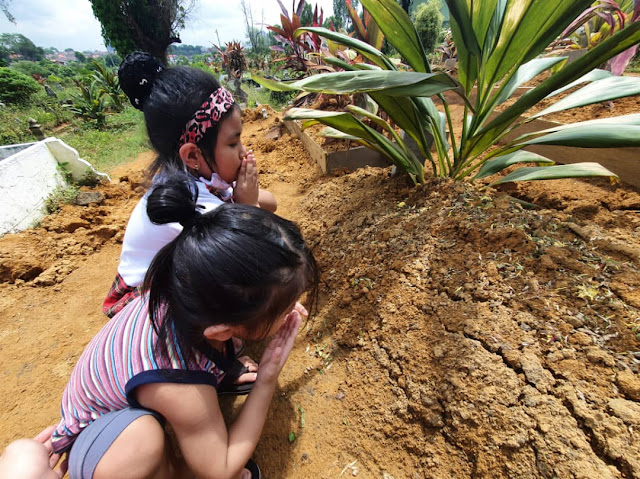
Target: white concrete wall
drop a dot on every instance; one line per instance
(29, 177)
(26, 181)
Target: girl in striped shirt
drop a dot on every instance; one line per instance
(235, 271)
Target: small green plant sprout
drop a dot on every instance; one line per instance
(499, 46)
(302, 419)
(89, 178)
(292, 437)
(63, 169)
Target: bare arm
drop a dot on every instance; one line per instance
(267, 201)
(210, 451)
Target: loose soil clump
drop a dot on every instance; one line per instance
(457, 334)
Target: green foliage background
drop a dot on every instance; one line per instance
(16, 87)
(428, 23)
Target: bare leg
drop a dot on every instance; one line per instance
(141, 451)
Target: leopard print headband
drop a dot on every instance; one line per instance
(209, 113)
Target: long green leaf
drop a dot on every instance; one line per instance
(596, 92)
(525, 73)
(373, 117)
(499, 163)
(340, 120)
(624, 120)
(493, 29)
(333, 133)
(599, 136)
(593, 75)
(467, 44)
(576, 170)
(405, 114)
(399, 31)
(337, 62)
(391, 83)
(382, 124)
(273, 84)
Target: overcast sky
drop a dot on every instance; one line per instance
(71, 24)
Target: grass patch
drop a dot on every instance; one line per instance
(122, 140)
(47, 111)
(60, 196)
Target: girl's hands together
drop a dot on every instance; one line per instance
(301, 309)
(278, 350)
(247, 189)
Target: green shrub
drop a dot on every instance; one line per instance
(428, 23)
(16, 87)
(29, 68)
(47, 111)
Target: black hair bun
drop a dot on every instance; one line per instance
(137, 73)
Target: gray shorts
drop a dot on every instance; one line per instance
(97, 437)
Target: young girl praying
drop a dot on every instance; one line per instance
(194, 125)
(235, 271)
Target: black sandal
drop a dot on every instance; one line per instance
(228, 386)
(253, 469)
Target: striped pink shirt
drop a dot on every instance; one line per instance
(121, 357)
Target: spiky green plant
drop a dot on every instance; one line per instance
(499, 43)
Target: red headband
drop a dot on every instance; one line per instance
(219, 102)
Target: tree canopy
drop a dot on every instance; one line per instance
(20, 45)
(341, 18)
(147, 25)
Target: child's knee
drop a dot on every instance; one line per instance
(140, 450)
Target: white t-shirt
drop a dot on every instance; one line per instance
(143, 239)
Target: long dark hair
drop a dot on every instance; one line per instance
(169, 97)
(236, 265)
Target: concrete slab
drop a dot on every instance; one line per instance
(29, 174)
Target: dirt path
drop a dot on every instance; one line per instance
(458, 335)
